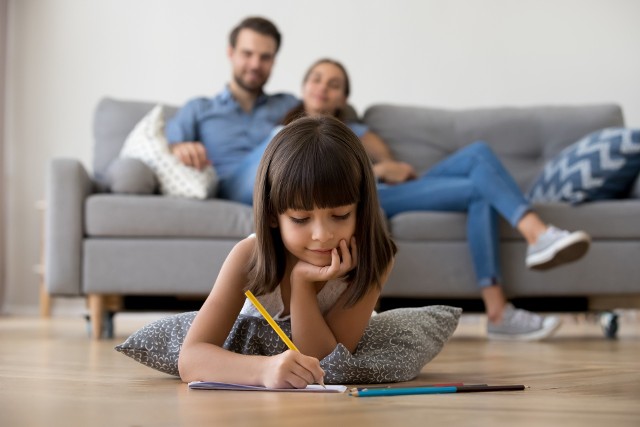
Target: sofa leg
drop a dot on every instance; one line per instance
(102, 308)
(96, 314)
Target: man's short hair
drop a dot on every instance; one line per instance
(259, 25)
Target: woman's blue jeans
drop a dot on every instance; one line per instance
(471, 180)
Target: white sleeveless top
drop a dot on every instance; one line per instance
(327, 298)
(272, 302)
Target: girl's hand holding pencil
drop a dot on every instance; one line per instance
(290, 369)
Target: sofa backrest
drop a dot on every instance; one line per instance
(113, 120)
(524, 138)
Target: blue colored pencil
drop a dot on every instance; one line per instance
(434, 390)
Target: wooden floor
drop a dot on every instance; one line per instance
(52, 375)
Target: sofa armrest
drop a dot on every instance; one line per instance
(68, 186)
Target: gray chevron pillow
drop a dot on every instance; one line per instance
(602, 165)
(395, 346)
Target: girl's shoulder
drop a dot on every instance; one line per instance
(249, 241)
(245, 246)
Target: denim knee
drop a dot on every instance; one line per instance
(481, 148)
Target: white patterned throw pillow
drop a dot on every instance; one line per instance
(602, 165)
(148, 143)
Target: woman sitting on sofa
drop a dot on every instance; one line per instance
(471, 180)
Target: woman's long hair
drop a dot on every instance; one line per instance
(298, 111)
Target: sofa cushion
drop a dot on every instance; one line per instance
(621, 222)
(111, 215)
(602, 165)
(429, 225)
(113, 120)
(186, 267)
(395, 346)
(523, 138)
(131, 176)
(148, 143)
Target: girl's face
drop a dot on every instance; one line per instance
(311, 235)
(323, 92)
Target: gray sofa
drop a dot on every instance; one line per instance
(100, 244)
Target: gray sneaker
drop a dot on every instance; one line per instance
(522, 325)
(555, 247)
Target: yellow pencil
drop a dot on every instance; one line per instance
(273, 324)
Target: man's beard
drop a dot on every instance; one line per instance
(256, 89)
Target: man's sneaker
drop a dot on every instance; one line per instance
(555, 247)
(522, 325)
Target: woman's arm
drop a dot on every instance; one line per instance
(202, 357)
(385, 167)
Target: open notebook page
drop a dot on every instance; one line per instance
(313, 388)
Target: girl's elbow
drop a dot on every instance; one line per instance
(184, 368)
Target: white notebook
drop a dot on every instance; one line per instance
(313, 388)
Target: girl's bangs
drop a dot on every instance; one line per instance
(323, 180)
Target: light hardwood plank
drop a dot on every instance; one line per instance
(52, 374)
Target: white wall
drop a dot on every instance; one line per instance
(66, 54)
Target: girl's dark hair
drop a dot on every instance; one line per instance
(298, 111)
(317, 163)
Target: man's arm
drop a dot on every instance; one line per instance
(190, 153)
(182, 133)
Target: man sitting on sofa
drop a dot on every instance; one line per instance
(225, 129)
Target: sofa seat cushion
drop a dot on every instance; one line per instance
(108, 215)
(605, 220)
(433, 226)
(602, 220)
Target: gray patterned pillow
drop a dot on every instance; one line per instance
(395, 346)
(601, 166)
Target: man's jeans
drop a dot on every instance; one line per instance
(471, 180)
(239, 185)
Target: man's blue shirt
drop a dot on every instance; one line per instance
(226, 130)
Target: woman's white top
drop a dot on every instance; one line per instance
(272, 302)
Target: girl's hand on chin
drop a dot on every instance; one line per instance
(342, 262)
